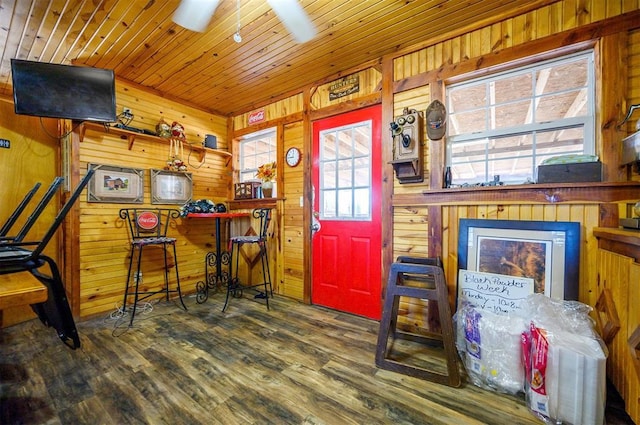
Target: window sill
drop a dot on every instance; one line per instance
(240, 204)
(552, 193)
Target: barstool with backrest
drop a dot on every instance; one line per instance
(148, 227)
(234, 287)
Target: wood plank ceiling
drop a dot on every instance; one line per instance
(138, 39)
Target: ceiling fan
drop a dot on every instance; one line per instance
(196, 14)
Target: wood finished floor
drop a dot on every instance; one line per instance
(295, 364)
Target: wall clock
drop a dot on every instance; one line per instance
(293, 157)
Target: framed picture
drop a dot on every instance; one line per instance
(170, 187)
(116, 184)
(547, 252)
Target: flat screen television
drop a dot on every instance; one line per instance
(63, 91)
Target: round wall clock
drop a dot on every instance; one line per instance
(293, 157)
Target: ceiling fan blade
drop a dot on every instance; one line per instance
(195, 15)
(294, 18)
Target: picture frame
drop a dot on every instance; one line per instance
(114, 184)
(548, 252)
(171, 187)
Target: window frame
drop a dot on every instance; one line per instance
(528, 65)
(250, 138)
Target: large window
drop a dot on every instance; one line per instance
(256, 149)
(503, 126)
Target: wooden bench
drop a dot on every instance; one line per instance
(20, 289)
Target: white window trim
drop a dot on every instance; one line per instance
(587, 122)
(250, 138)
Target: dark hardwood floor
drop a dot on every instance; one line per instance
(295, 364)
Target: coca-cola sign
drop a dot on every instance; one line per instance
(147, 220)
(256, 116)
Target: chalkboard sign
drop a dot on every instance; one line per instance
(497, 293)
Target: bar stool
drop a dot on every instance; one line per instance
(148, 227)
(421, 278)
(235, 288)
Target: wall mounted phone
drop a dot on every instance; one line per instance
(407, 131)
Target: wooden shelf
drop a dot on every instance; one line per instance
(238, 204)
(131, 137)
(553, 193)
(621, 241)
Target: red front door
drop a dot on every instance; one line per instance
(346, 182)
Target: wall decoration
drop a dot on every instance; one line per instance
(170, 187)
(344, 87)
(177, 130)
(163, 129)
(175, 162)
(547, 252)
(116, 184)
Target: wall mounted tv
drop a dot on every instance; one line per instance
(63, 91)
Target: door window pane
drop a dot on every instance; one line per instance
(345, 172)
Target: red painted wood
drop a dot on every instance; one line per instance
(346, 255)
(218, 215)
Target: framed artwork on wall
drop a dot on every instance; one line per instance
(115, 184)
(547, 252)
(171, 187)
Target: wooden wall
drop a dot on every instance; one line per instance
(413, 75)
(289, 115)
(102, 246)
(103, 242)
(32, 157)
(291, 269)
(469, 53)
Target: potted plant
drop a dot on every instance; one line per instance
(267, 173)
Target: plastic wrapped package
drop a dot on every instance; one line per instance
(489, 345)
(547, 348)
(565, 363)
(558, 315)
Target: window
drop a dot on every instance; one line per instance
(256, 149)
(345, 172)
(504, 125)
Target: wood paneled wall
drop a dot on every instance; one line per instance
(291, 268)
(275, 111)
(473, 48)
(425, 64)
(104, 244)
(32, 157)
(545, 21)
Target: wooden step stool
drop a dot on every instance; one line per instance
(421, 278)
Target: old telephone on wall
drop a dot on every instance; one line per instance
(407, 132)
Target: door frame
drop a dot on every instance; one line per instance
(386, 183)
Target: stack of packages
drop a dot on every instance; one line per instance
(547, 349)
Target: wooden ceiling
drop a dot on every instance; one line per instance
(139, 40)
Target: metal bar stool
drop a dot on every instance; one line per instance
(235, 288)
(421, 278)
(148, 227)
(16, 213)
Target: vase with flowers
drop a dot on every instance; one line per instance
(267, 173)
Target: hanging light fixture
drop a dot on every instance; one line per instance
(195, 15)
(236, 37)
